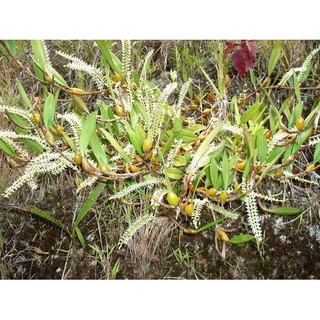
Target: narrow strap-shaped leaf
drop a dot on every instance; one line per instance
(206, 142)
(44, 215)
(26, 101)
(91, 200)
(98, 149)
(177, 127)
(285, 210)
(7, 148)
(88, 128)
(248, 141)
(80, 103)
(316, 154)
(210, 224)
(49, 110)
(252, 112)
(18, 120)
(80, 237)
(116, 145)
(242, 238)
(33, 145)
(274, 57)
(134, 137)
(225, 170)
(110, 57)
(39, 53)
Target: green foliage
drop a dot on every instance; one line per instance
(241, 238)
(87, 205)
(88, 128)
(274, 57)
(45, 215)
(285, 210)
(210, 224)
(49, 111)
(193, 144)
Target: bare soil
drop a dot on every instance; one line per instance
(33, 248)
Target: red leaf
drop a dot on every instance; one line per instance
(242, 58)
(239, 60)
(229, 48)
(251, 46)
(249, 63)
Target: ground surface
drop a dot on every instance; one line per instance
(34, 249)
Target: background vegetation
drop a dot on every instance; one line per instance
(159, 159)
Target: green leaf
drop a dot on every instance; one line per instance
(134, 117)
(285, 107)
(167, 146)
(248, 141)
(225, 170)
(33, 145)
(11, 46)
(296, 113)
(69, 141)
(196, 128)
(315, 108)
(80, 237)
(135, 138)
(297, 89)
(252, 112)
(7, 148)
(274, 57)
(316, 154)
(39, 53)
(305, 74)
(91, 200)
(203, 148)
(285, 210)
(110, 57)
(44, 215)
(26, 101)
(142, 111)
(38, 70)
(262, 146)
(135, 78)
(242, 238)
(246, 169)
(179, 161)
(58, 78)
(235, 110)
(18, 120)
(49, 110)
(40, 60)
(302, 138)
(252, 78)
(107, 114)
(115, 126)
(116, 145)
(175, 173)
(88, 129)
(215, 89)
(141, 133)
(98, 149)
(177, 128)
(275, 153)
(188, 136)
(213, 171)
(80, 103)
(40, 73)
(210, 224)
